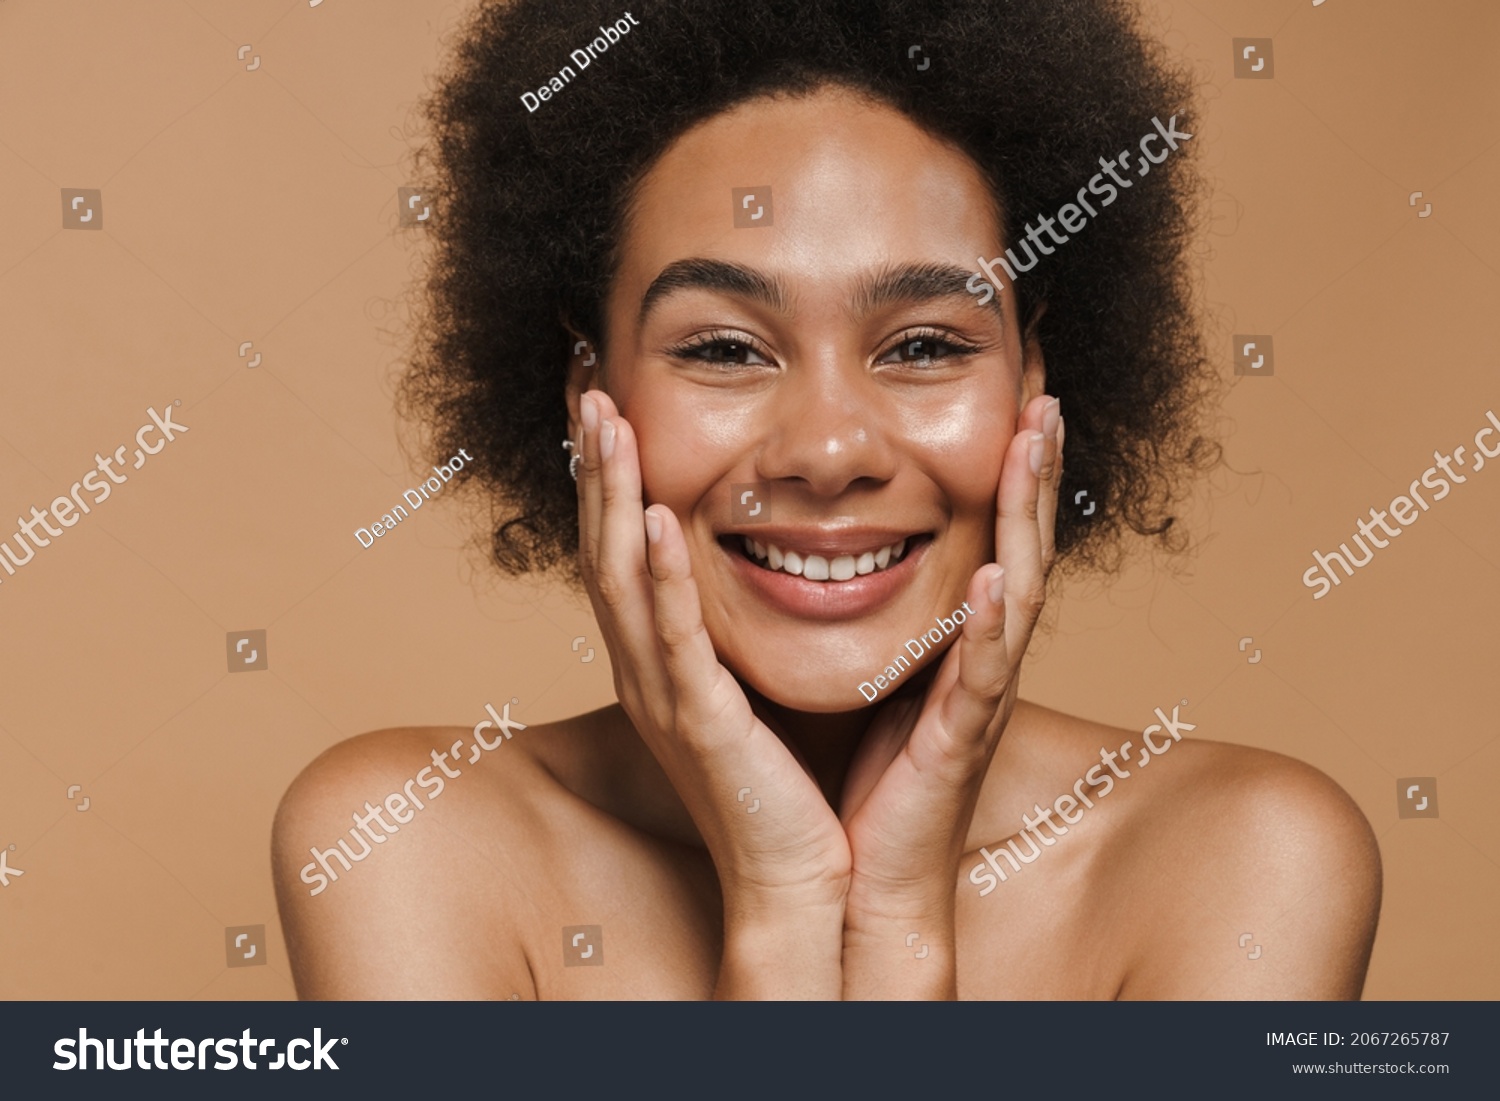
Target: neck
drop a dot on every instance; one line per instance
(825, 742)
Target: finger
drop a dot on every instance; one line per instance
(1018, 537)
(985, 666)
(620, 540)
(624, 596)
(610, 499)
(590, 494)
(687, 652)
(1051, 478)
(613, 559)
(1033, 414)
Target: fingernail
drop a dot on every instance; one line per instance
(1038, 451)
(653, 526)
(1051, 414)
(589, 412)
(607, 439)
(997, 587)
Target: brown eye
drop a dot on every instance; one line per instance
(923, 350)
(723, 351)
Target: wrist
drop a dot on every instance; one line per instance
(781, 951)
(876, 903)
(889, 958)
(762, 896)
(900, 935)
(900, 944)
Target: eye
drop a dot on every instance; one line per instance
(725, 349)
(922, 349)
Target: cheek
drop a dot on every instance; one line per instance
(963, 446)
(685, 447)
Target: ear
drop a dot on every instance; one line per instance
(1033, 368)
(585, 370)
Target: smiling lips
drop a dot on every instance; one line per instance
(816, 567)
(825, 575)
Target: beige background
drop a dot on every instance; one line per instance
(261, 205)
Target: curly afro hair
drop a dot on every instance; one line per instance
(529, 208)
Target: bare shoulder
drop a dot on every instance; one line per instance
(387, 846)
(1289, 829)
(1256, 875)
(1224, 871)
(1166, 782)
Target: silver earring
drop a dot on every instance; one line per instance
(569, 446)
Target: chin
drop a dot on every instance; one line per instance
(796, 691)
(787, 676)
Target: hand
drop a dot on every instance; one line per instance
(915, 780)
(784, 870)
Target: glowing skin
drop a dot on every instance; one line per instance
(852, 846)
(819, 404)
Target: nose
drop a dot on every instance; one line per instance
(830, 430)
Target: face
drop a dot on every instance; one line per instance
(831, 362)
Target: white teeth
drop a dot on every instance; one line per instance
(815, 567)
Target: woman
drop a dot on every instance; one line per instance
(731, 262)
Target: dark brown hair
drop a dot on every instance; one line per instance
(528, 207)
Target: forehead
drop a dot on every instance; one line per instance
(846, 185)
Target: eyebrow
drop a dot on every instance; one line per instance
(915, 283)
(715, 275)
(919, 282)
